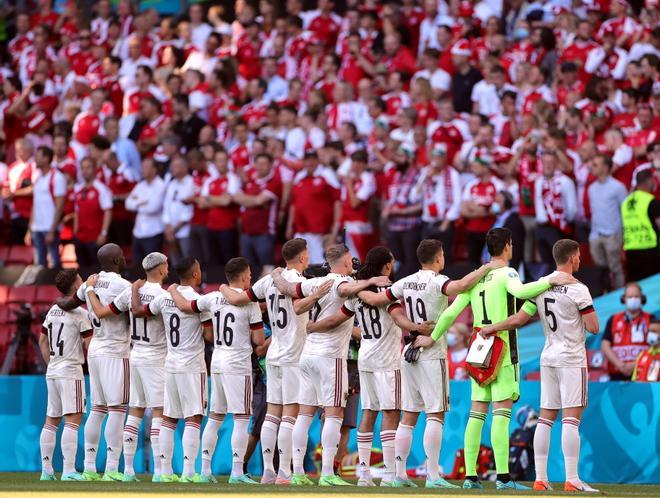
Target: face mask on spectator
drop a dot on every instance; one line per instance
(633, 303)
(452, 340)
(652, 338)
(496, 209)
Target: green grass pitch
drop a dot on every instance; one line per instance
(27, 485)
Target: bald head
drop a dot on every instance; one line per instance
(111, 258)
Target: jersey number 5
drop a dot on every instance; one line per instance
(552, 318)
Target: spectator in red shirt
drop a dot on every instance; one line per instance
(315, 206)
(18, 190)
(119, 178)
(478, 197)
(92, 214)
(259, 203)
(217, 197)
(199, 237)
(397, 57)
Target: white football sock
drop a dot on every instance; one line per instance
(166, 446)
(432, 444)
(269, 441)
(330, 437)
(47, 445)
(284, 447)
(131, 430)
(210, 441)
(299, 442)
(155, 443)
(542, 447)
(402, 444)
(239, 439)
(364, 443)
(93, 435)
(190, 441)
(69, 447)
(113, 436)
(570, 446)
(387, 443)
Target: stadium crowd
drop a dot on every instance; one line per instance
(376, 121)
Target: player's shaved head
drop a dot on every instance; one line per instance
(563, 250)
(497, 239)
(293, 248)
(111, 258)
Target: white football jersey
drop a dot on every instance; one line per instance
(111, 335)
(424, 298)
(65, 331)
(380, 346)
(289, 331)
(147, 333)
(185, 342)
(560, 309)
(334, 343)
(232, 341)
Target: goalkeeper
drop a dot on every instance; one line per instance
(494, 299)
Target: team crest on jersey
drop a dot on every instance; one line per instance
(513, 274)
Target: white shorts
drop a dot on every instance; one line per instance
(425, 386)
(563, 387)
(147, 386)
(231, 393)
(380, 390)
(283, 384)
(185, 395)
(323, 381)
(109, 380)
(65, 396)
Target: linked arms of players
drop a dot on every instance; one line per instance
(528, 291)
(454, 287)
(396, 312)
(345, 290)
(300, 306)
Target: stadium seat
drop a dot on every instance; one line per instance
(20, 255)
(22, 294)
(207, 288)
(6, 315)
(4, 293)
(4, 253)
(46, 294)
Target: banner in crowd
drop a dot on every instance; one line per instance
(620, 432)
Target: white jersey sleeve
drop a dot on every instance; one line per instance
(258, 291)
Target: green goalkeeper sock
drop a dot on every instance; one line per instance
(473, 441)
(499, 437)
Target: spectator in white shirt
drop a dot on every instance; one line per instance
(48, 202)
(176, 214)
(146, 199)
(200, 30)
(487, 94)
(294, 137)
(278, 88)
(439, 78)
